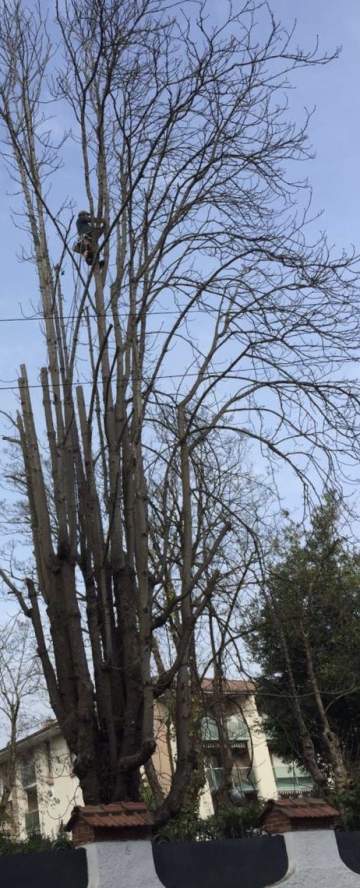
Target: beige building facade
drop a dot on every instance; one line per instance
(253, 775)
(46, 789)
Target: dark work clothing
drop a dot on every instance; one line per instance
(83, 226)
(89, 230)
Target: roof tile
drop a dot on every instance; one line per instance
(126, 814)
(301, 808)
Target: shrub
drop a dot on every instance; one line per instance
(229, 822)
(33, 843)
(348, 803)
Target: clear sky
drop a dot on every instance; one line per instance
(334, 90)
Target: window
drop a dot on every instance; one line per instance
(8, 824)
(209, 729)
(28, 773)
(32, 820)
(243, 781)
(236, 728)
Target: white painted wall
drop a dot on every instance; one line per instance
(206, 807)
(259, 751)
(58, 788)
(128, 864)
(314, 861)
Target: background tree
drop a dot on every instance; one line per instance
(306, 642)
(20, 699)
(181, 143)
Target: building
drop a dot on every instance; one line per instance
(46, 789)
(257, 771)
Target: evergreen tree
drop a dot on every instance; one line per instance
(307, 642)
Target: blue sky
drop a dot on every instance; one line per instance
(335, 127)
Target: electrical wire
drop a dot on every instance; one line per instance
(108, 314)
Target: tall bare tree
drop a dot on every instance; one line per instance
(212, 315)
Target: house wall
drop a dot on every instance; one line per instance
(165, 756)
(56, 788)
(259, 751)
(165, 746)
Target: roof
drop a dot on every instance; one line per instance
(230, 686)
(49, 729)
(300, 808)
(128, 814)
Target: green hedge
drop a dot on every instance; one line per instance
(228, 823)
(33, 843)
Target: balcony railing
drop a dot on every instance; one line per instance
(242, 781)
(291, 779)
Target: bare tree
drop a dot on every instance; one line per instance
(204, 313)
(19, 687)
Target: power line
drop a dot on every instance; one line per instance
(74, 317)
(207, 376)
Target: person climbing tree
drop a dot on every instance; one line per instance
(89, 230)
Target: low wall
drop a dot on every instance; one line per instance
(308, 859)
(255, 862)
(349, 849)
(45, 869)
(314, 861)
(311, 859)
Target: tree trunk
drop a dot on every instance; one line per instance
(330, 739)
